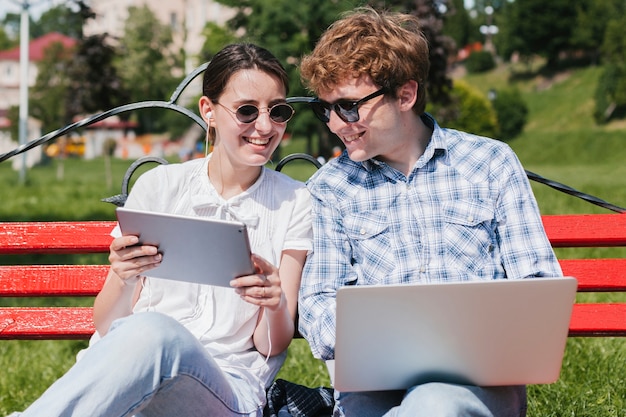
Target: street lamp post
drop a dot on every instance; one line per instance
(24, 61)
(489, 30)
(23, 114)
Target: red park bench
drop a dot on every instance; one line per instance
(58, 322)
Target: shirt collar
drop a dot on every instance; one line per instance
(436, 146)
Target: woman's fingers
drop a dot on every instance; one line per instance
(263, 288)
(129, 260)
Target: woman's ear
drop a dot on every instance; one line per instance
(407, 94)
(205, 106)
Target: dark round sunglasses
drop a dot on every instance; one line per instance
(347, 110)
(248, 113)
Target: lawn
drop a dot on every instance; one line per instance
(560, 142)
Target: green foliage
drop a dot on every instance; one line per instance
(611, 92)
(480, 61)
(511, 112)
(469, 111)
(611, 86)
(458, 26)
(540, 27)
(215, 38)
(61, 19)
(94, 84)
(51, 86)
(591, 20)
(145, 63)
(5, 41)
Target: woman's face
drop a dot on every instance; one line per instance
(251, 143)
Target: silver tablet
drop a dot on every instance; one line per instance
(195, 249)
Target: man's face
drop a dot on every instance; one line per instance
(369, 136)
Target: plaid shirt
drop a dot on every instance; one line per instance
(465, 212)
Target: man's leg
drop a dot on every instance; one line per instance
(449, 400)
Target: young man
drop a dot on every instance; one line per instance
(408, 201)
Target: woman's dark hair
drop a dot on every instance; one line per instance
(240, 56)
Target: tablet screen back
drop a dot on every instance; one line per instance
(195, 249)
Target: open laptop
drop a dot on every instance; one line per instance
(487, 333)
(195, 249)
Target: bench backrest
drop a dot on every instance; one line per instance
(588, 319)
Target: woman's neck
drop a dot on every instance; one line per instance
(229, 180)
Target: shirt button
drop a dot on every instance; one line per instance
(470, 219)
(362, 231)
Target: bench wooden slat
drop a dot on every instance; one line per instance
(51, 280)
(586, 230)
(55, 237)
(598, 320)
(46, 323)
(599, 275)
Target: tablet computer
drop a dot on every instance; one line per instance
(195, 249)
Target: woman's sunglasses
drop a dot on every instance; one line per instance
(347, 110)
(248, 113)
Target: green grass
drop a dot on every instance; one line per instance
(560, 142)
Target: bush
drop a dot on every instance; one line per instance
(511, 111)
(469, 111)
(480, 61)
(610, 94)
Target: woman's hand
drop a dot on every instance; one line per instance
(129, 260)
(263, 288)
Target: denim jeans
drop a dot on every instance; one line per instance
(434, 400)
(148, 365)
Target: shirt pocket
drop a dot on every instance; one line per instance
(370, 240)
(469, 236)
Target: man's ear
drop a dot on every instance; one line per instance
(407, 94)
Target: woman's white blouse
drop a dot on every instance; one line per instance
(276, 210)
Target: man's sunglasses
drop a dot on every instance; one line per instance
(347, 110)
(248, 113)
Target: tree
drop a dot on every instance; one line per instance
(94, 84)
(146, 64)
(50, 87)
(60, 19)
(5, 41)
(538, 27)
(611, 90)
(215, 38)
(458, 25)
(591, 19)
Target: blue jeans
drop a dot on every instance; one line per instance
(148, 365)
(434, 400)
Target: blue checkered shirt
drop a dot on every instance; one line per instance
(465, 212)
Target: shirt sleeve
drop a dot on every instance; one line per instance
(327, 269)
(525, 248)
(299, 234)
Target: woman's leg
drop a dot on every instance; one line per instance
(150, 365)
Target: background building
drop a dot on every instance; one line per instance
(10, 73)
(187, 19)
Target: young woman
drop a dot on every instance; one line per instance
(170, 348)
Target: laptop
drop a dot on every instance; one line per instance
(195, 249)
(486, 333)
